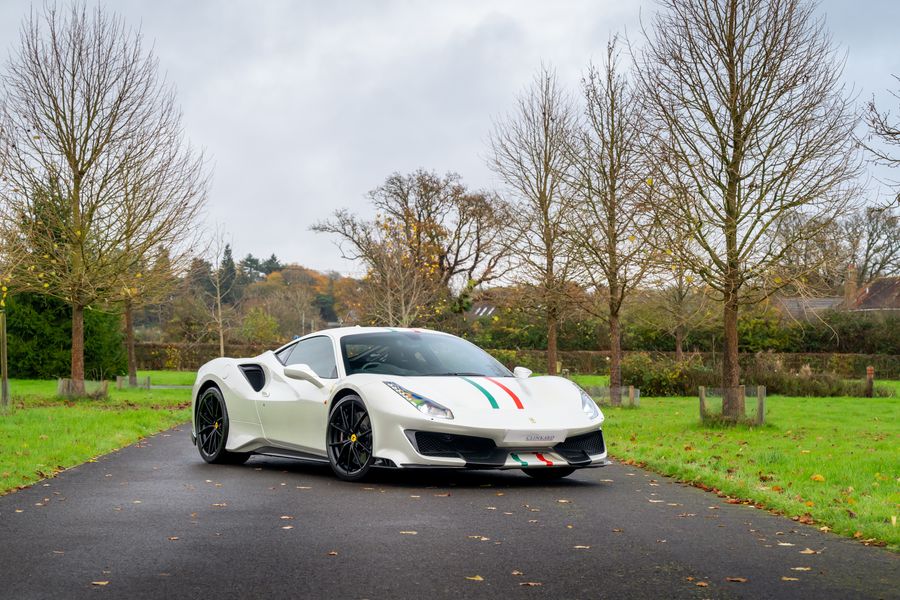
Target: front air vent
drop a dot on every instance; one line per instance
(255, 376)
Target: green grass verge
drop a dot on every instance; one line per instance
(830, 460)
(41, 434)
(170, 377)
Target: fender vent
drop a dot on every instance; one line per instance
(255, 376)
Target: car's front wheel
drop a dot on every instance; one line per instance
(349, 439)
(549, 473)
(212, 429)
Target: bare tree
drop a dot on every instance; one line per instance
(611, 222)
(886, 130)
(218, 287)
(529, 153)
(754, 127)
(873, 236)
(94, 159)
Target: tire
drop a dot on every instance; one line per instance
(212, 430)
(549, 473)
(349, 439)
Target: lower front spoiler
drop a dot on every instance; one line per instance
(599, 462)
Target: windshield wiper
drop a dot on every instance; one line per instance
(457, 374)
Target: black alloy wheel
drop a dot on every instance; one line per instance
(212, 429)
(349, 439)
(549, 473)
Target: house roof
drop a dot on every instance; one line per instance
(881, 294)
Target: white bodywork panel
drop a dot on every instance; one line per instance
(292, 415)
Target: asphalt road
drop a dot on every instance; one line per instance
(154, 521)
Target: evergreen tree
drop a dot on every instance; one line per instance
(228, 277)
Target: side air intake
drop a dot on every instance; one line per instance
(255, 376)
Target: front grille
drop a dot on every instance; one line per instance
(592, 443)
(452, 445)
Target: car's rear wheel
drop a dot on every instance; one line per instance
(549, 473)
(349, 439)
(212, 429)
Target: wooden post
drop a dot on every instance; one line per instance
(743, 394)
(4, 373)
(631, 395)
(702, 402)
(760, 405)
(870, 381)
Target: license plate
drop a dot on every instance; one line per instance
(535, 438)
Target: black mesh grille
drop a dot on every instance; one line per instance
(448, 444)
(590, 443)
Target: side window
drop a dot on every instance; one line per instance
(318, 354)
(283, 354)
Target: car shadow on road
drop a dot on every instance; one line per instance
(427, 477)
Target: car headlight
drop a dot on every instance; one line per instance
(423, 404)
(590, 407)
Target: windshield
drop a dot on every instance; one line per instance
(414, 353)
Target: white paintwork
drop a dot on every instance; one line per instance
(291, 410)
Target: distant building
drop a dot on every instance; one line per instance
(879, 295)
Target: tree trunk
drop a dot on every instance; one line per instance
(221, 324)
(679, 343)
(615, 360)
(732, 401)
(77, 373)
(129, 344)
(552, 326)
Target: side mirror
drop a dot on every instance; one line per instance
(303, 373)
(522, 372)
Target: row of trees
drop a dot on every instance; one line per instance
(718, 158)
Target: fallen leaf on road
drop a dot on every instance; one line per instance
(581, 547)
(99, 583)
(491, 507)
(444, 495)
(810, 551)
(501, 494)
(530, 583)
(785, 544)
(332, 553)
(701, 584)
(19, 510)
(801, 568)
(617, 531)
(532, 520)
(656, 501)
(286, 518)
(517, 572)
(173, 538)
(563, 501)
(480, 538)
(789, 579)
(220, 504)
(413, 496)
(475, 578)
(288, 527)
(409, 532)
(303, 487)
(736, 579)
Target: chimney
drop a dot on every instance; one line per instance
(850, 288)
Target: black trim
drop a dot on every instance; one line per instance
(577, 450)
(285, 453)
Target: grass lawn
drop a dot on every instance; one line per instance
(41, 434)
(833, 460)
(170, 377)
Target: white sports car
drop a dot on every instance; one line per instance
(363, 397)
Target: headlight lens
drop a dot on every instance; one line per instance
(423, 404)
(590, 407)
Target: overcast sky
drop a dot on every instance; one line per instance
(304, 106)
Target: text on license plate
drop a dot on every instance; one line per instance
(538, 438)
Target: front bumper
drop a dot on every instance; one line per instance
(473, 452)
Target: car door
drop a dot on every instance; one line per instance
(294, 413)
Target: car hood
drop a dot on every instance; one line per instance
(536, 402)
